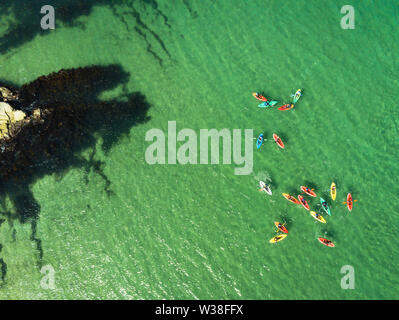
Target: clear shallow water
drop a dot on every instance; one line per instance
(199, 231)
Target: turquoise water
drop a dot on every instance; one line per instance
(199, 231)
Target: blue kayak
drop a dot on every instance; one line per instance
(267, 104)
(259, 141)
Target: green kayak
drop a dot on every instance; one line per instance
(325, 206)
(267, 104)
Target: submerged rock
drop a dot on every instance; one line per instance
(7, 94)
(12, 119)
(9, 117)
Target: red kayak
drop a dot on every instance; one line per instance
(259, 96)
(303, 202)
(280, 227)
(308, 191)
(326, 242)
(349, 202)
(278, 141)
(287, 106)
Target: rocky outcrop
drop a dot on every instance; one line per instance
(11, 119)
(47, 123)
(7, 94)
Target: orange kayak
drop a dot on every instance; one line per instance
(280, 227)
(308, 191)
(303, 202)
(326, 242)
(287, 106)
(291, 198)
(349, 202)
(278, 141)
(259, 96)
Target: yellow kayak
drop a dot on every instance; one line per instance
(318, 217)
(278, 238)
(333, 190)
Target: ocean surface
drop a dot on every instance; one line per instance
(200, 231)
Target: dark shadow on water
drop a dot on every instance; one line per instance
(283, 138)
(287, 220)
(73, 120)
(273, 184)
(25, 18)
(22, 17)
(293, 191)
(352, 190)
(327, 233)
(3, 271)
(311, 185)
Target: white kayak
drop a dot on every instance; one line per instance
(297, 95)
(264, 187)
